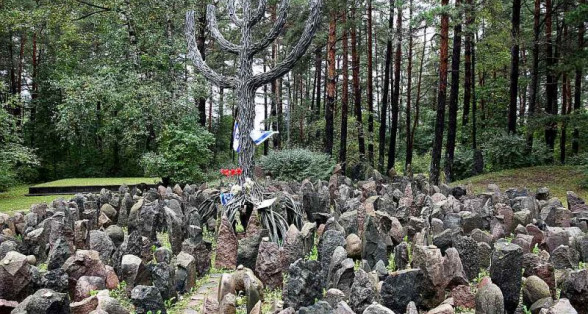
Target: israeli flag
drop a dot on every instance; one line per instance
(259, 137)
(236, 146)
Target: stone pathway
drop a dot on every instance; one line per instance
(208, 288)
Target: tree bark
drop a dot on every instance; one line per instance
(534, 71)
(578, 89)
(318, 55)
(385, 91)
(468, 76)
(396, 95)
(370, 84)
(514, 66)
(356, 86)
(344, 93)
(330, 104)
(551, 83)
(453, 97)
(409, 150)
(408, 159)
(441, 95)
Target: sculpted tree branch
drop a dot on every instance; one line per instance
(259, 13)
(218, 37)
(276, 29)
(312, 24)
(245, 83)
(232, 13)
(201, 66)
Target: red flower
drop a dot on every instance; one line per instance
(239, 171)
(233, 172)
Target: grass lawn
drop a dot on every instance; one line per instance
(15, 200)
(98, 181)
(559, 180)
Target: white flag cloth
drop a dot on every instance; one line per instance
(259, 137)
(236, 146)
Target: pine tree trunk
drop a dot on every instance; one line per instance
(514, 66)
(370, 84)
(453, 98)
(385, 91)
(551, 83)
(318, 68)
(330, 104)
(396, 95)
(409, 150)
(578, 89)
(564, 106)
(408, 159)
(344, 93)
(441, 96)
(468, 76)
(356, 86)
(534, 71)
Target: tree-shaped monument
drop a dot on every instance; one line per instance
(245, 83)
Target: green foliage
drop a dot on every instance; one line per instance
(120, 294)
(18, 163)
(297, 164)
(313, 255)
(391, 263)
(184, 153)
(463, 163)
(507, 151)
(536, 249)
(483, 273)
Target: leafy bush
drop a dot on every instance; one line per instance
(463, 163)
(18, 163)
(506, 151)
(297, 164)
(184, 153)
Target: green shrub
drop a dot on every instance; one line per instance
(463, 163)
(18, 163)
(184, 153)
(297, 164)
(506, 151)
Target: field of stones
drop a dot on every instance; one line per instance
(383, 245)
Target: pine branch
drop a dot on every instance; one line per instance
(196, 57)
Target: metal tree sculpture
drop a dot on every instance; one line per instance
(245, 83)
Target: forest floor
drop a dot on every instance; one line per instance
(559, 180)
(15, 200)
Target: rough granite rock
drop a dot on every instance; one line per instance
(575, 289)
(507, 259)
(304, 284)
(268, 267)
(489, 300)
(44, 301)
(147, 299)
(226, 251)
(363, 292)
